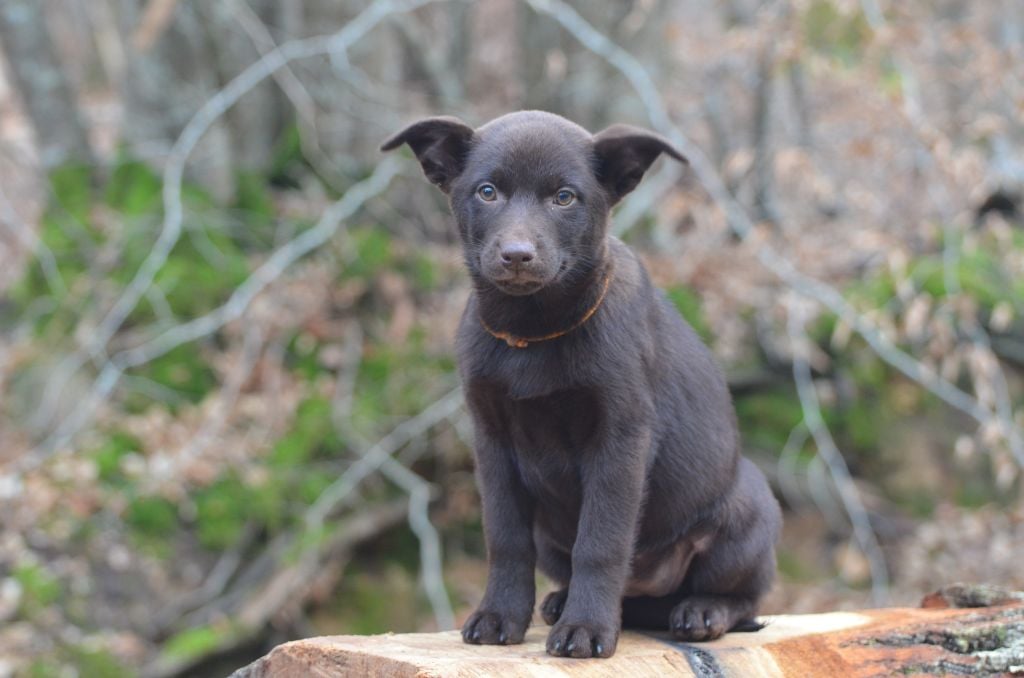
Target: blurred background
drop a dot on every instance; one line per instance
(228, 409)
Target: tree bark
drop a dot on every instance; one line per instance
(39, 79)
(985, 638)
(176, 62)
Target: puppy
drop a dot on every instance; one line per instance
(606, 446)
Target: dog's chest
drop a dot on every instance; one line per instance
(552, 437)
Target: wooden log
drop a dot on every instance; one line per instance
(939, 639)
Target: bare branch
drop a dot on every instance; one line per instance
(742, 224)
(201, 122)
(213, 424)
(330, 498)
(926, 135)
(431, 572)
(32, 243)
(155, 20)
(205, 325)
(292, 87)
(833, 458)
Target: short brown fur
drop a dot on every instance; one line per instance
(609, 455)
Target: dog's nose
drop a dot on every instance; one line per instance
(517, 252)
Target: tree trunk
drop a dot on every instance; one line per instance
(39, 79)
(176, 61)
(985, 640)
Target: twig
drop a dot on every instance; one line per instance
(292, 87)
(204, 325)
(376, 456)
(763, 170)
(431, 572)
(419, 491)
(155, 20)
(914, 114)
(833, 458)
(34, 244)
(212, 425)
(786, 472)
(217, 105)
(823, 496)
(213, 586)
(345, 384)
(742, 224)
(279, 589)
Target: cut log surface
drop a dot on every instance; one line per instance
(938, 639)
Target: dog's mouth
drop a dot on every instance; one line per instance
(523, 283)
(520, 281)
(519, 287)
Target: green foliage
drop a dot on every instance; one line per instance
(391, 379)
(182, 370)
(73, 190)
(222, 510)
(194, 642)
(872, 397)
(979, 271)
(227, 505)
(83, 661)
(860, 423)
(918, 502)
(311, 434)
(134, 189)
(109, 454)
(44, 668)
(254, 200)
(793, 567)
(838, 34)
(303, 355)
(766, 418)
(979, 276)
(252, 196)
(39, 588)
(373, 252)
(71, 244)
(152, 517)
(194, 281)
(423, 271)
(288, 162)
(293, 482)
(689, 306)
(202, 270)
(376, 597)
(97, 663)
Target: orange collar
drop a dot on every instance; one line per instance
(522, 342)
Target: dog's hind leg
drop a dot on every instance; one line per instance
(725, 583)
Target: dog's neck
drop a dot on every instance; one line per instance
(549, 312)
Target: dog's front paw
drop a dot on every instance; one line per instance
(494, 628)
(551, 608)
(582, 640)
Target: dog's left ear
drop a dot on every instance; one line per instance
(440, 144)
(624, 153)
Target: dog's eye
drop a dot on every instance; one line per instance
(564, 197)
(487, 192)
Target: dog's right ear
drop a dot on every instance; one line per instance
(440, 144)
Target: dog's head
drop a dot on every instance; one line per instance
(531, 191)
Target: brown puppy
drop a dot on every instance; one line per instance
(606, 443)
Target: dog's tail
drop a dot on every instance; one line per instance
(747, 626)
